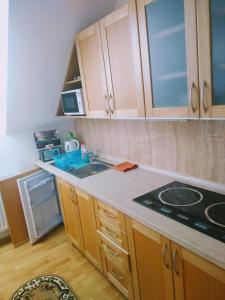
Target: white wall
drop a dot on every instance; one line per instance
(41, 35)
(4, 14)
(120, 3)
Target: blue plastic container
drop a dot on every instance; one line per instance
(71, 160)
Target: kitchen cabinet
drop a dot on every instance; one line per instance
(122, 62)
(195, 278)
(163, 269)
(71, 216)
(151, 263)
(90, 57)
(111, 228)
(110, 66)
(88, 224)
(211, 56)
(168, 40)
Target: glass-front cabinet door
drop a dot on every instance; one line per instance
(211, 43)
(168, 37)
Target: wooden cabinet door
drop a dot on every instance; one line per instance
(211, 43)
(70, 213)
(122, 62)
(195, 278)
(90, 57)
(151, 263)
(168, 38)
(89, 228)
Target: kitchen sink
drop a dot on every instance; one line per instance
(92, 168)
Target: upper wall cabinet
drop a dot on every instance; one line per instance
(119, 32)
(90, 56)
(211, 43)
(168, 41)
(110, 66)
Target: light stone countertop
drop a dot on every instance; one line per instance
(118, 189)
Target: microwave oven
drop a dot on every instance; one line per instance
(73, 103)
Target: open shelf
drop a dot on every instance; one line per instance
(70, 83)
(73, 81)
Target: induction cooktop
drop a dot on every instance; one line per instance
(195, 207)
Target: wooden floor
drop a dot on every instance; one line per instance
(54, 255)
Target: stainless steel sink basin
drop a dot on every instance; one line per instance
(91, 169)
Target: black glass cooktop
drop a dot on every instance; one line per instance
(197, 208)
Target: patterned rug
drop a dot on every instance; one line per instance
(45, 288)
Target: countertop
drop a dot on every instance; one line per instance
(118, 189)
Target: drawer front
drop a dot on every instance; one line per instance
(117, 255)
(112, 232)
(119, 278)
(110, 214)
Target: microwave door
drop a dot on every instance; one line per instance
(70, 103)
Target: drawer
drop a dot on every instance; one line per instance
(119, 278)
(112, 232)
(117, 255)
(110, 214)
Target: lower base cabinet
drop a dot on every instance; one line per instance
(140, 262)
(70, 211)
(79, 220)
(163, 270)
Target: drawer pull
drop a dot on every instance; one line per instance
(116, 275)
(109, 251)
(108, 214)
(111, 232)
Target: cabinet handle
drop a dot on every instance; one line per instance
(109, 251)
(111, 103)
(111, 232)
(106, 104)
(115, 274)
(175, 255)
(191, 95)
(165, 251)
(108, 214)
(73, 196)
(203, 96)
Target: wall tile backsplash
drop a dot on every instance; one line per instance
(195, 148)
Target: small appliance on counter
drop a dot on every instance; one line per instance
(48, 144)
(194, 207)
(40, 203)
(73, 103)
(71, 145)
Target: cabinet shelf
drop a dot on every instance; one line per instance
(73, 81)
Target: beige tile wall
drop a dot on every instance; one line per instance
(194, 148)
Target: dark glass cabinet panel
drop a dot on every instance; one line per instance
(217, 14)
(167, 52)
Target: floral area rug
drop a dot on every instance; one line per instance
(45, 288)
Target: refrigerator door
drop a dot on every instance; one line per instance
(40, 203)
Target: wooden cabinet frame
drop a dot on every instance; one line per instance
(192, 65)
(126, 11)
(208, 110)
(181, 268)
(166, 259)
(93, 34)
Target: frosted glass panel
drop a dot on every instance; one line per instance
(167, 52)
(218, 50)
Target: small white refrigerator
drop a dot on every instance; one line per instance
(40, 203)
